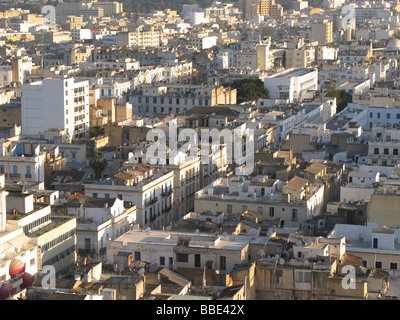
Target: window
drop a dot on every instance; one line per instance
(396, 152)
(393, 265)
(1, 169)
(294, 214)
(375, 243)
(365, 263)
(94, 195)
(388, 116)
(386, 151)
(271, 211)
(162, 261)
(137, 256)
(378, 264)
(376, 150)
(32, 262)
(279, 276)
(302, 276)
(378, 115)
(222, 263)
(197, 260)
(182, 257)
(15, 171)
(28, 172)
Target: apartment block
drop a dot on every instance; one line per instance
(56, 103)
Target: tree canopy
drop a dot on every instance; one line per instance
(342, 98)
(98, 164)
(249, 89)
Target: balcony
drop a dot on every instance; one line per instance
(87, 251)
(166, 210)
(28, 175)
(15, 175)
(167, 193)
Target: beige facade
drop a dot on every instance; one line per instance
(322, 32)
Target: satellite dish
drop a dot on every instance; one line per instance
(197, 231)
(306, 262)
(153, 267)
(292, 262)
(281, 261)
(147, 230)
(224, 234)
(298, 243)
(276, 256)
(141, 271)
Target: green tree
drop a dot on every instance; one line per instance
(98, 164)
(342, 98)
(249, 89)
(96, 131)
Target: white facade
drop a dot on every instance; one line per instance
(19, 162)
(152, 197)
(55, 103)
(292, 84)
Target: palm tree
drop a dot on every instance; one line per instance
(98, 164)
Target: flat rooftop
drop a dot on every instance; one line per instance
(296, 72)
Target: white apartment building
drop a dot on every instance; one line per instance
(185, 250)
(55, 103)
(202, 41)
(384, 147)
(292, 84)
(148, 188)
(18, 254)
(293, 202)
(21, 162)
(81, 34)
(99, 220)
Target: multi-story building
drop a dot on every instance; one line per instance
(186, 173)
(322, 31)
(148, 188)
(99, 220)
(376, 245)
(292, 84)
(185, 250)
(384, 147)
(142, 37)
(56, 103)
(300, 58)
(53, 234)
(250, 8)
(22, 162)
(18, 253)
(150, 100)
(293, 202)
